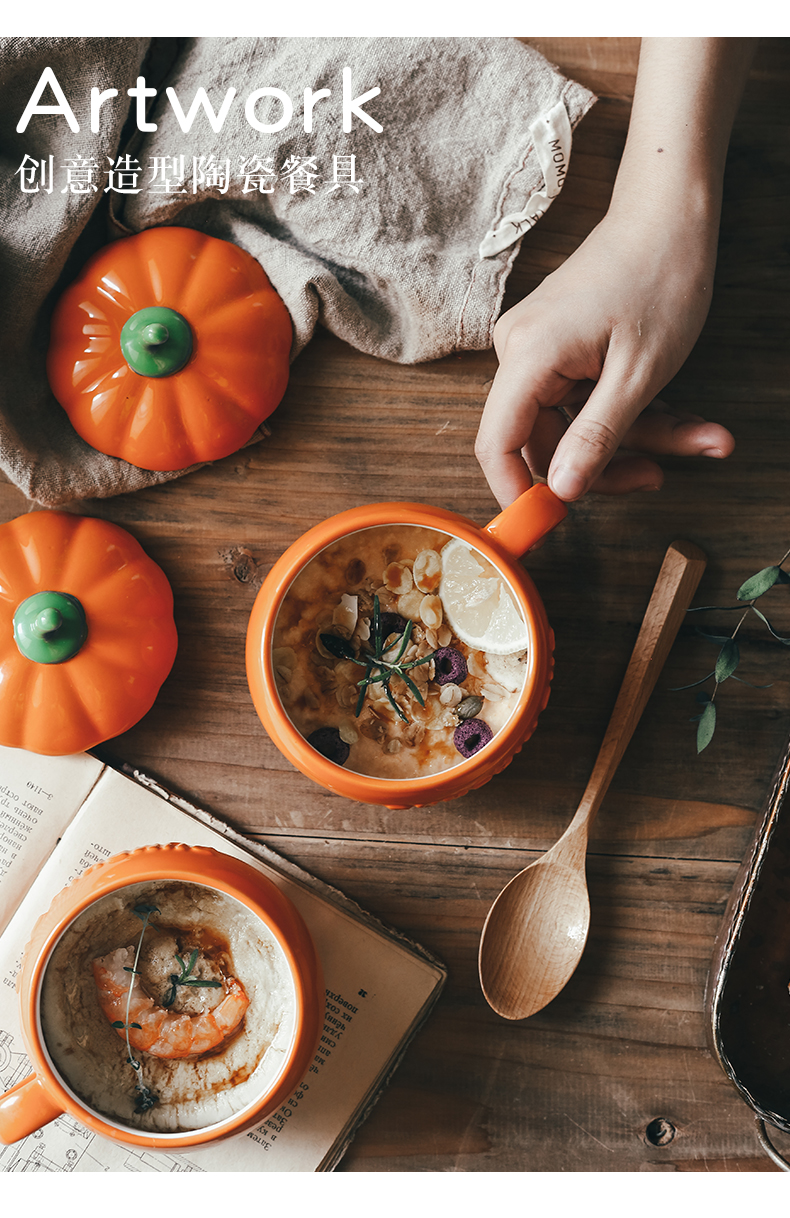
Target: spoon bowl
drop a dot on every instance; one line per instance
(536, 930)
(546, 940)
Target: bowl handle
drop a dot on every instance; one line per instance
(25, 1108)
(530, 517)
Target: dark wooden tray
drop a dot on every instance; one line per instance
(747, 999)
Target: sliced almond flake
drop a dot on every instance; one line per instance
(348, 733)
(476, 664)
(397, 578)
(344, 615)
(427, 570)
(408, 605)
(431, 612)
(347, 696)
(362, 630)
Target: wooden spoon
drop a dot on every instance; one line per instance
(536, 929)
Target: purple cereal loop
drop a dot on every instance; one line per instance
(471, 736)
(449, 665)
(391, 623)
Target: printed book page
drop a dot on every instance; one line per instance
(37, 802)
(378, 989)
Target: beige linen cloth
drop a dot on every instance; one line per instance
(402, 252)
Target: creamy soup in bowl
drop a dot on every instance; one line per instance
(168, 1007)
(399, 654)
(371, 671)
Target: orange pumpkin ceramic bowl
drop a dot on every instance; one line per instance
(173, 1097)
(169, 349)
(398, 654)
(87, 634)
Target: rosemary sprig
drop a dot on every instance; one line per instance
(729, 655)
(184, 978)
(147, 1098)
(379, 666)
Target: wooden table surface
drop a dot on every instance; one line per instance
(578, 1086)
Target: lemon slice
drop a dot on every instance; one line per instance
(478, 605)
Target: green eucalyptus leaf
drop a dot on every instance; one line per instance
(757, 584)
(706, 727)
(711, 638)
(676, 689)
(727, 661)
(713, 608)
(783, 577)
(763, 618)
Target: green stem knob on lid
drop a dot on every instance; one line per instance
(50, 627)
(156, 341)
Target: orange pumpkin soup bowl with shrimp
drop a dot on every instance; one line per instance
(170, 997)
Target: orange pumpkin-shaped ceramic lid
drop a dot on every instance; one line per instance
(86, 632)
(170, 349)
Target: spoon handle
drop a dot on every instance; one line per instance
(676, 584)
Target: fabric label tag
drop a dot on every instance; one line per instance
(551, 135)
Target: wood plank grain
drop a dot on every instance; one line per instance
(575, 1087)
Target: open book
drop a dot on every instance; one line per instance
(60, 815)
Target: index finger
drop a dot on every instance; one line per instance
(506, 424)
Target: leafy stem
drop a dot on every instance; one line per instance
(147, 1098)
(380, 667)
(729, 655)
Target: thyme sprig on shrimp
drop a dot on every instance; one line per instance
(183, 978)
(147, 1098)
(379, 666)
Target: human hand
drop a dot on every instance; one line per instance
(584, 355)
